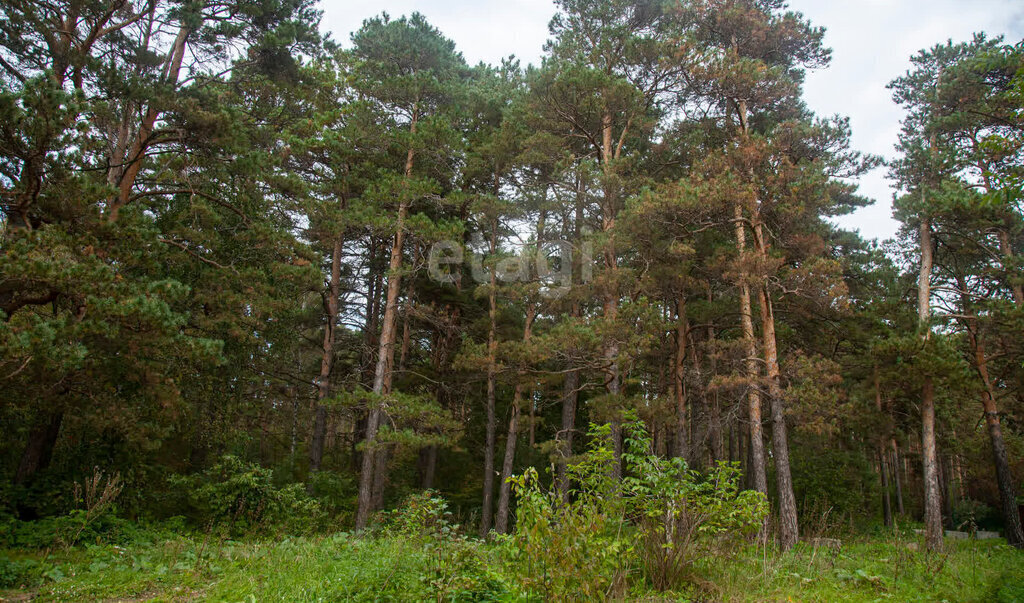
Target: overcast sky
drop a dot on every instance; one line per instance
(871, 43)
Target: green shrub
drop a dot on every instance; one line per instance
(18, 572)
(420, 515)
(659, 519)
(681, 515)
(242, 496)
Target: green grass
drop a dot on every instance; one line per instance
(344, 568)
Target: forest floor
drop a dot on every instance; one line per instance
(344, 568)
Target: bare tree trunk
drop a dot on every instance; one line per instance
(569, 397)
(611, 300)
(385, 358)
(1004, 475)
(682, 450)
(896, 466)
(39, 450)
(788, 527)
(570, 387)
(758, 478)
(316, 448)
(428, 462)
(504, 492)
(932, 494)
(883, 469)
(133, 162)
(501, 523)
(492, 348)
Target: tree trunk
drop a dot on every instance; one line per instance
(896, 466)
(492, 348)
(758, 478)
(570, 387)
(565, 437)
(385, 357)
(501, 521)
(132, 163)
(1004, 476)
(39, 450)
(883, 469)
(611, 295)
(788, 527)
(428, 464)
(316, 448)
(932, 494)
(682, 450)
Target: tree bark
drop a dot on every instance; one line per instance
(132, 163)
(883, 469)
(492, 350)
(569, 397)
(682, 450)
(896, 466)
(758, 478)
(1004, 475)
(504, 493)
(316, 448)
(39, 450)
(385, 357)
(929, 460)
(611, 294)
(501, 522)
(788, 527)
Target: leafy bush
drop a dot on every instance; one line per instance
(660, 519)
(682, 515)
(242, 496)
(455, 568)
(972, 515)
(18, 572)
(421, 515)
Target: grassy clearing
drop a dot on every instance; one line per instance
(343, 568)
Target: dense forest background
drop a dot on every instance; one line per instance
(237, 256)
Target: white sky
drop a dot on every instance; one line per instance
(871, 43)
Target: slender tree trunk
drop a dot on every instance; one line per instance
(896, 466)
(788, 527)
(1004, 476)
(39, 450)
(569, 397)
(678, 380)
(428, 458)
(932, 494)
(385, 357)
(492, 349)
(504, 492)
(133, 162)
(611, 300)
(570, 387)
(758, 478)
(501, 523)
(316, 448)
(883, 469)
